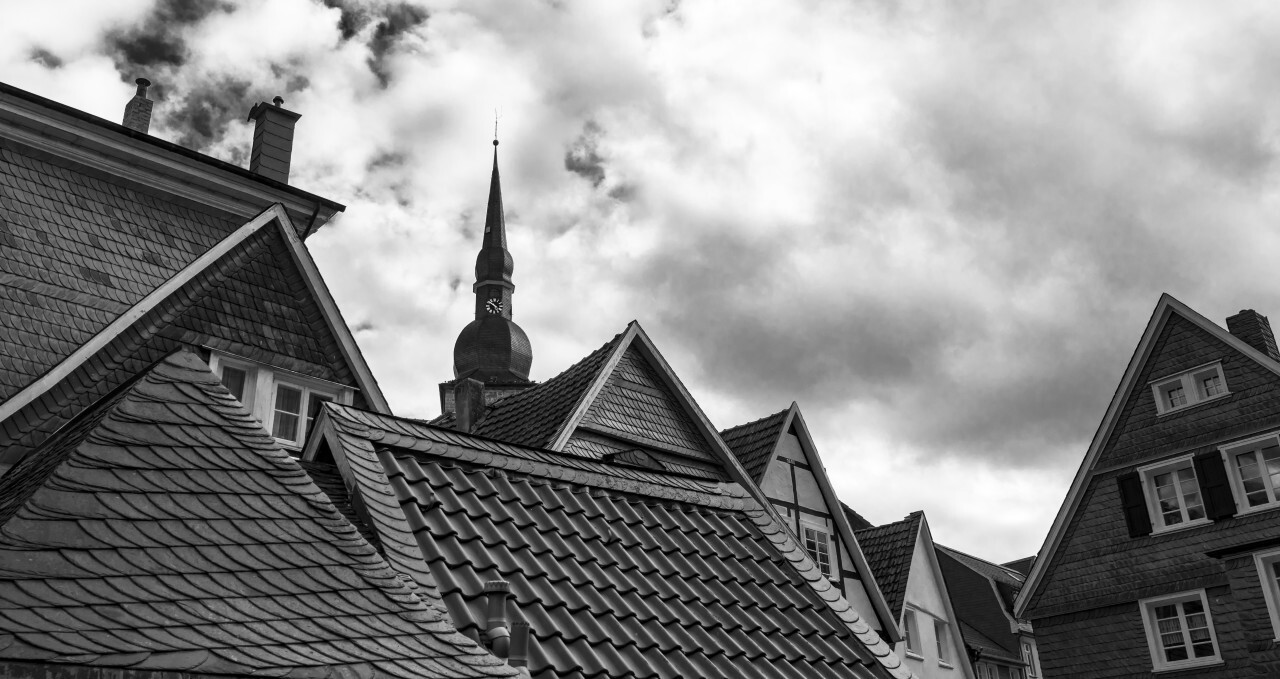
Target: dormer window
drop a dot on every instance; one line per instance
(284, 401)
(1190, 388)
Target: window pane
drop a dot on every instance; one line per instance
(910, 632)
(1177, 397)
(233, 379)
(1212, 386)
(1271, 458)
(940, 634)
(288, 408)
(818, 544)
(1190, 494)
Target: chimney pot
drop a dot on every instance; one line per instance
(468, 403)
(137, 113)
(1255, 330)
(278, 100)
(498, 635)
(272, 140)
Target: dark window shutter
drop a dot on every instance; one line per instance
(1219, 503)
(1135, 505)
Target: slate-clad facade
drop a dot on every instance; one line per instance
(1160, 558)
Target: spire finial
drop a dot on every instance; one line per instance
(495, 127)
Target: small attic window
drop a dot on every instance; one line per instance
(1190, 388)
(285, 402)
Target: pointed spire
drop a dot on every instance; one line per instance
(495, 223)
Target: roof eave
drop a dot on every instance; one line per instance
(155, 163)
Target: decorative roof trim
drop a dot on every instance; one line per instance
(60, 371)
(1167, 306)
(794, 417)
(101, 144)
(333, 317)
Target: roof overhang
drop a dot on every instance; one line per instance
(154, 163)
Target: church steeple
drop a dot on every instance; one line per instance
(492, 348)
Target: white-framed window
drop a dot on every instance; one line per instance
(911, 632)
(285, 402)
(817, 542)
(942, 637)
(1179, 631)
(1253, 466)
(1268, 564)
(1030, 659)
(1173, 494)
(1198, 385)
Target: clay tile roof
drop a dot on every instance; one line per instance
(889, 549)
(533, 416)
(164, 530)
(753, 442)
(620, 572)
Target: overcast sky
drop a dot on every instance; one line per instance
(939, 226)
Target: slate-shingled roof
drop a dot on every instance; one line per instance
(621, 572)
(164, 530)
(982, 594)
(889, 550)
(753, 442)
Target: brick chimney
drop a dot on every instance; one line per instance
(137, 113)
(468, 399)
(1255, 330)
(272, 139)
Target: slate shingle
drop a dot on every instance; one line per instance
(167, 531)
(889, 550)
(753, 442)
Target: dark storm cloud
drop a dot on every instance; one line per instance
(395, 21)
(352, 17)
(583, 156)
(158, 41)
(45, 58)
(203, 113)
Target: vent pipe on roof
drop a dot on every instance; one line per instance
(519, 644)
(272, 139)
(1255, 330)
(137, 113)
(497, 633)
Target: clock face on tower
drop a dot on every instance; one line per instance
(493, 306)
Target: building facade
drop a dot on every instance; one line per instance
(1163, 555)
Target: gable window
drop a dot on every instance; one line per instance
(1254, 466)
(1201, 384)
(1179, 631)
(942, 636)
(911, 633)
(285, 402)
(1268, 564)
(1029, 658)
(1173, 494)
(818, 544)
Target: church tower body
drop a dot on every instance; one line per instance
(492, 349)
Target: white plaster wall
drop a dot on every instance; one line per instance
(924, 596)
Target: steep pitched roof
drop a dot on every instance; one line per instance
(977, 590)
(755, 442)
(1022, 565)
(254, 292)
(1166, 308)
(889, 549)
(164, 530)
(619, 571)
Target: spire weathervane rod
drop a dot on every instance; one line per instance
(495, 127)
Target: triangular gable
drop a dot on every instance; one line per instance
(756, 445)
(114, 352)
(165, 530)
(1166, 308)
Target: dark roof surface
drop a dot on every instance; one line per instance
(889, 550)
(974, 586)
(1022, 565)
(78, 249)
(856, 520)
(165, 530)
(76, 252)
(533, 417)
(989, 647)
(619, 571)
(753, 443)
